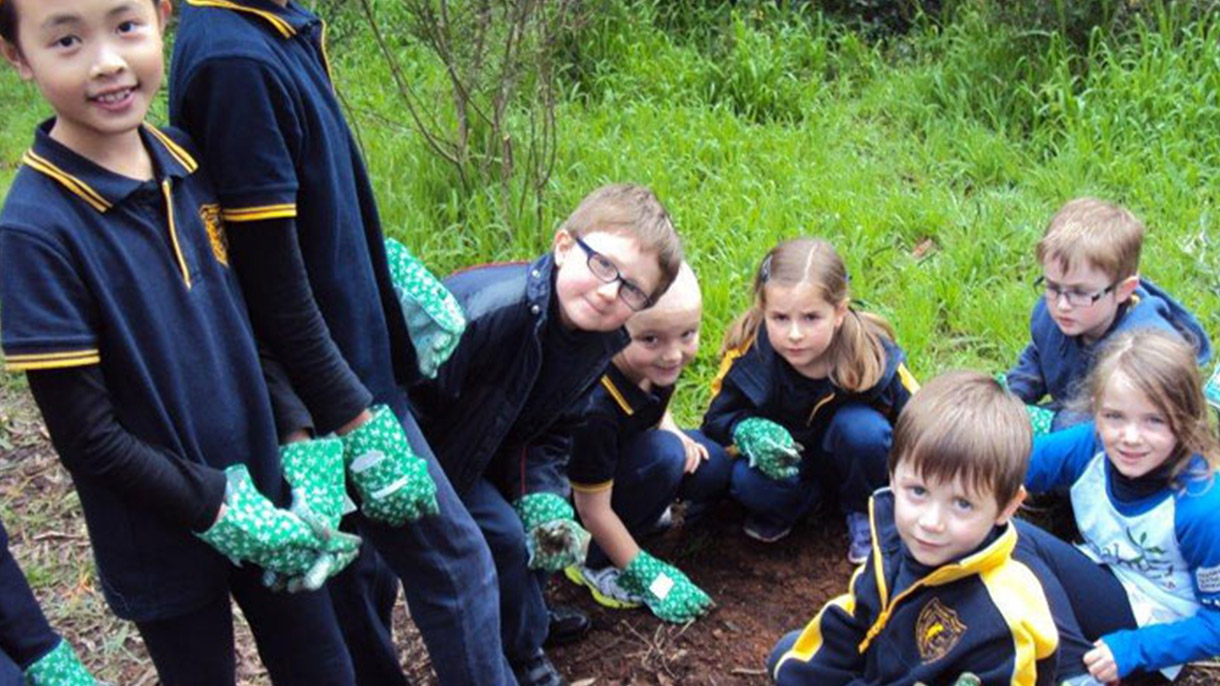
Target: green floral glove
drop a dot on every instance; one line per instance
(315, 469)
(769, 447)
(552, 536)
(434, 318)
(1212, 388)
(60, 667)
(966, 679)
(1040, 418)
(666, 590)
(392, 481)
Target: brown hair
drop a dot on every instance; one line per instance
(1096, 233)
(635, 211)
(965, 424)
(1164, 369)
(857, 353)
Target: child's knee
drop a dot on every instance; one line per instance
(859, 430)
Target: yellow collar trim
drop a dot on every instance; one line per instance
(182, 156)
(617, 395)
(73, 184)
(285, 29)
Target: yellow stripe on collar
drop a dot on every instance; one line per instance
(285, 29)
(184, 158)
(617, 395)
(73, 184)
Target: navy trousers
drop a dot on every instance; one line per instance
(25, 635)
(850, 464)
(649, 476)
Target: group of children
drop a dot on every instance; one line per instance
(260, 399)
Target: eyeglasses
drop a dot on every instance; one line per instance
(1052, 292)
(604, 269)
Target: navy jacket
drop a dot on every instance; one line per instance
(998, 612)
(755, 381)
(468, 410)
(1052, 364)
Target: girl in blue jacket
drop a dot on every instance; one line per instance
(1142, 482)
(808, 391)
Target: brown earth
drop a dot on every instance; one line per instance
(761, 590)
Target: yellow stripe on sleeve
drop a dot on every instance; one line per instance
(254, 214)
(1016, 592)
(58, 360)
(726, 363)
(908, 379)
(810, 641)
(593, 488)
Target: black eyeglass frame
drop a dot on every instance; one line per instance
(606, 271)
(1074, 298)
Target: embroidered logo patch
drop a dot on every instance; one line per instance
(937, 630)
(210, 214)
(1208, 579)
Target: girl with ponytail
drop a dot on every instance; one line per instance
(807, 394)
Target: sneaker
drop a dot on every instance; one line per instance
(860, 537)
(759, 529)
(537, 670)
(567, 625)
(603, 584)
(664, 523)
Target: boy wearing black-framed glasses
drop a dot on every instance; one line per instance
(1091, 289)
(498, 414)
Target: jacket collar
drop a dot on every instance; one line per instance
(540, 288)
(286, 21)
(100, 188)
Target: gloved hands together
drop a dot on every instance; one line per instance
(60, 667)
(665, 590)
(393, 482)
(253, 529)
(434, 318)
(769, 447)
(552, 536)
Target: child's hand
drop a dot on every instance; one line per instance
(393, 482)
(769, 447)
(1101, 664)
(60, 667)
(434, 318)
(666, 590)
(695, 453)
(552, 536)
(314, 469)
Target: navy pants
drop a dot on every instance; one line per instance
(850, 463)
(524, 620)
(25, 635)
(649, 476)
(10, 673)
(449, 580)
(297, 636)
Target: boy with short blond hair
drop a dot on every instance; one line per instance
(630, 461)
(538, 336)
(953, 583)
(1090, 255)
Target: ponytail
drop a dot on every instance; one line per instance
(858, 358)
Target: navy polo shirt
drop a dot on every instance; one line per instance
(615, 411)
(250, 82)
(102, 269)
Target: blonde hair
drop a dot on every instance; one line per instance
(1164, 369)
(857, 353)
(634, 211)
(1093, 232)
(965, 424)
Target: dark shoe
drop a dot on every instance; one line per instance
(537, 670)
(568, 625)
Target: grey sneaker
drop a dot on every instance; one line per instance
(603, 584)
(859, 536)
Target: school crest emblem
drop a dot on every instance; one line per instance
(937, 630)
(210, 214)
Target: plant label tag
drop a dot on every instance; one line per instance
(661, 586)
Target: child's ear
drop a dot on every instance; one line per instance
(841, 311)
(1007, 512)
(164, 10)
(562, 245)
(12, 55)
(1126, 287)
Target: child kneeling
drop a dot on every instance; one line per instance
(953, 584)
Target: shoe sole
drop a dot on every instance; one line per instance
(765, 539)
(574, 575)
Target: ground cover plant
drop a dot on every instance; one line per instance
(929, 149)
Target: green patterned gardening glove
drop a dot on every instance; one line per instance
(769, 447)
(434, 317)
(666, 590)
(253, 529)
(552, 536)
(392, 481)
(60, 667)
(1040, 418)
(315, 470)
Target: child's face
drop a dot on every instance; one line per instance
(801, 326)
(97, 62)
(1090, 321)
(940, 522)
(1137, 435)
(588, 303)
(663, 342)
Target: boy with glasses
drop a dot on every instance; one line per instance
(538, 335)
(1090, 281)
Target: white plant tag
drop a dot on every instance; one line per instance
(661, 586)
